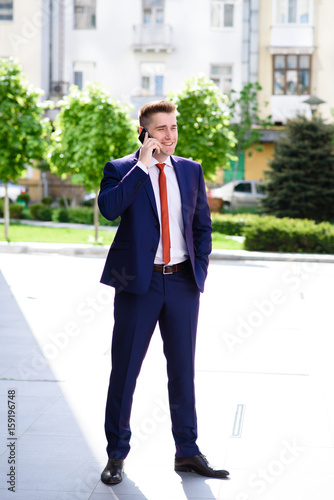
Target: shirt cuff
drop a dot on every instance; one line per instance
(142, 166)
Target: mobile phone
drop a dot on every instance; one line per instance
(141, 137)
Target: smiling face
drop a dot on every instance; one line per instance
(163, 127)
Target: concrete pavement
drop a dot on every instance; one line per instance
(264, 383)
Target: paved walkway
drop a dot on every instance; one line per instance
(264, 383)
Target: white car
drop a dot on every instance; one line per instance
(14, 190)
(237, 194)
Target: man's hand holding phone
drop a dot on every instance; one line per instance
(149, 148)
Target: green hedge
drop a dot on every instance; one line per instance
(76, 215)
(16, 209)
(271, 234)
(80, 215)
(44, 212)
(232, 225)
(41, 212)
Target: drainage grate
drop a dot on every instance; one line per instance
(238, 421)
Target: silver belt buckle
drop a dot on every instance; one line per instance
(164, 270)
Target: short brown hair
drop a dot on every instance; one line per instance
(150, 108)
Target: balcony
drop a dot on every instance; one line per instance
(153, 38)
(297, 36)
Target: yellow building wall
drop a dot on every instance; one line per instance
(265, 76)
(257, 163)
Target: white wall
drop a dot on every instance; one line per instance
(110, 45)
(108, 52)
(22, 38)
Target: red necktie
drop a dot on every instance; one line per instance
(164, 214)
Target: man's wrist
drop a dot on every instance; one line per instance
(142, 166)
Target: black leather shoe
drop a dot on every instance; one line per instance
(113, 472)
(200, 465)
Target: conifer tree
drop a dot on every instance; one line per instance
(300, 183)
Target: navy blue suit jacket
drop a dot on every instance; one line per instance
(128, 193)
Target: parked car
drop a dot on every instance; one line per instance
(237, 194)
(14, 190)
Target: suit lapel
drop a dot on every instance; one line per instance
(147, 186)
(150, 194)
(179, 171)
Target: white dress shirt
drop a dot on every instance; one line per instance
(178, 251)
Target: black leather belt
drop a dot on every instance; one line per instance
(162, 268)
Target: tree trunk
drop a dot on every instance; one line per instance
(96, 217)
(6, 212)
(235, 169)
(65, 200)
(45, 185)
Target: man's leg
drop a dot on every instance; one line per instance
(135, 319)
(178, 325)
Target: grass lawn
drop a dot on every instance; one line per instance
(23, 233)
(221, 242)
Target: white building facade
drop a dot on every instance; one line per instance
(24, 34)
(139, 49)
(143, 49)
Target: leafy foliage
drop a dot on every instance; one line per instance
(21, 126)
(289, 235)
(203, 125)
(90, 129)
(232, 224)
(246, 123)
(301, 180)
(244, 108)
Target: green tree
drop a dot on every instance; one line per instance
(21, 126)
(203, 125)
(90, 129)
(246, 123)
(300, 183)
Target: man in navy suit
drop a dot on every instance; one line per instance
(149, 290)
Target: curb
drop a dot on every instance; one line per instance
(54, 248)
(270, 256)
(102, 251)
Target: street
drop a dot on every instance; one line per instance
(264, 384)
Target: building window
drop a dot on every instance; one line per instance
(83, 72)
(221, 74)
(292, 11)
(152, 79)
(153, 11)
(78, 79)
(85, 14)
(292, 74)
(6, 10)
(222, 14)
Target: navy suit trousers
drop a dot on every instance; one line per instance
(173, 302)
